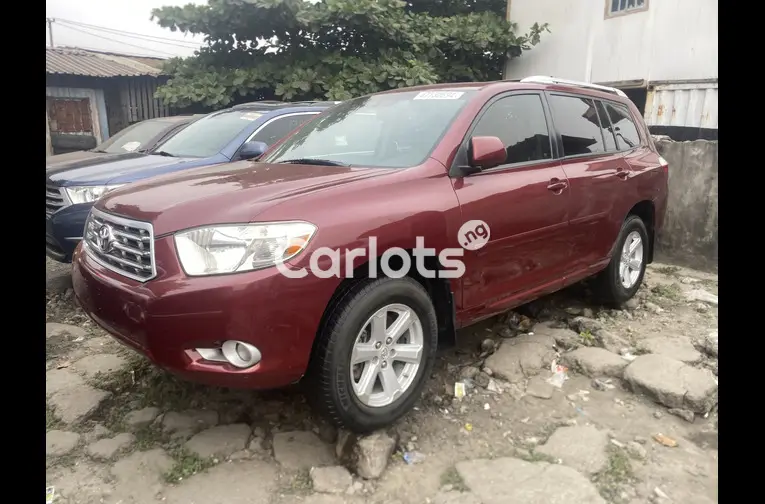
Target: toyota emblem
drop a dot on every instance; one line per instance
(104, 238)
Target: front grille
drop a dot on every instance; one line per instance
(122, 245)
(55, 199)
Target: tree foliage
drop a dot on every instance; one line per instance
(335, 49)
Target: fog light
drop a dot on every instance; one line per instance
(240, 354)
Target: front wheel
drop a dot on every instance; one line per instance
(624, 274)
(374, 354)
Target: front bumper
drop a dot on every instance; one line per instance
(168, 317)
(63, 231)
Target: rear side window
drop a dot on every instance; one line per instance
(626, 132)
(279, 128)
(577, 122)
(606, 128)
(519, 121)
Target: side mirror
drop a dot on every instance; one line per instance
(253, 150)
(486, 152)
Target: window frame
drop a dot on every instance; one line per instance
(269, 121)
(611, 129)
(169, 133)
(604, 101)
(638, 128)
(460, 158)
(625, 12)
(274, 119)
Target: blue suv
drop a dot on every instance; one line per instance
(241, 132)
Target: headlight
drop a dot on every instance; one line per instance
(88, 194)
(243, 247)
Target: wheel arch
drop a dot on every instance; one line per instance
(439, 290)
(646, 210)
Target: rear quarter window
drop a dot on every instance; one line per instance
(625, 130)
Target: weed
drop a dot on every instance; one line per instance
(669, 291)
(453, 478)
(297, 483)
(149, 437)
(186, 464)
(534, 456)
(51, 420)
(617, 472)
(668, 270)
(587, 338)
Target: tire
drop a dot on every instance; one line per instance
(329, 378)
(610, 288)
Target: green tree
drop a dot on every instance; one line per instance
(335, 49)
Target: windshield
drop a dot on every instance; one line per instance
(133, 138)
(390, 130)
(209, 135)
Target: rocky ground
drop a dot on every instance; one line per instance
(631, 417)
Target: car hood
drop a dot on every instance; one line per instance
(60, 159)
(110, 168)
(224, 193)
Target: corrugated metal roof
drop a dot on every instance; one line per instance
(682, 104)
(72, 61)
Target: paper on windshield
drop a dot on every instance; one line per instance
(131, 146)
(439, 95)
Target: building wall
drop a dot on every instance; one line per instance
(689, 235)
(673, 40)
(97, 106)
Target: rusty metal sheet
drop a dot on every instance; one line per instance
(682, 104)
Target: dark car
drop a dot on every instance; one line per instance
(140, 137)
(348, 251)
(238, 133)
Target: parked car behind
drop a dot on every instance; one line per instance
(239, 133)
(137, 138)
(214, 273)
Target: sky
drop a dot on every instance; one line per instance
(144, 36)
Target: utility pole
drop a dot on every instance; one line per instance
(50, 22)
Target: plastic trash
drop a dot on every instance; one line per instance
(459, 390)
(493, 387)
(469, 427)
(665, 440)
(50, 494)
(602, 384)
(559, 376)
(413, 457)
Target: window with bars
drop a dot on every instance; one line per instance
(616, 7)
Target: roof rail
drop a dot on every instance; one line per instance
(546, 79)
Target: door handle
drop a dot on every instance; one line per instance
(622, 173)
(557, 185)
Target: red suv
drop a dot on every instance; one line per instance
(353, 247)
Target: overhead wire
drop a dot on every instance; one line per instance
(117, 41)
(140, 36)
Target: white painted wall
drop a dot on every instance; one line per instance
(672, 40)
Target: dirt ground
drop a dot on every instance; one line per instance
(634, 422)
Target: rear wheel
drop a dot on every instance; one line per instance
(374, 354)
(624, 274)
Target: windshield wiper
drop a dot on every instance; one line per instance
(164, 153)
(311, 161)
